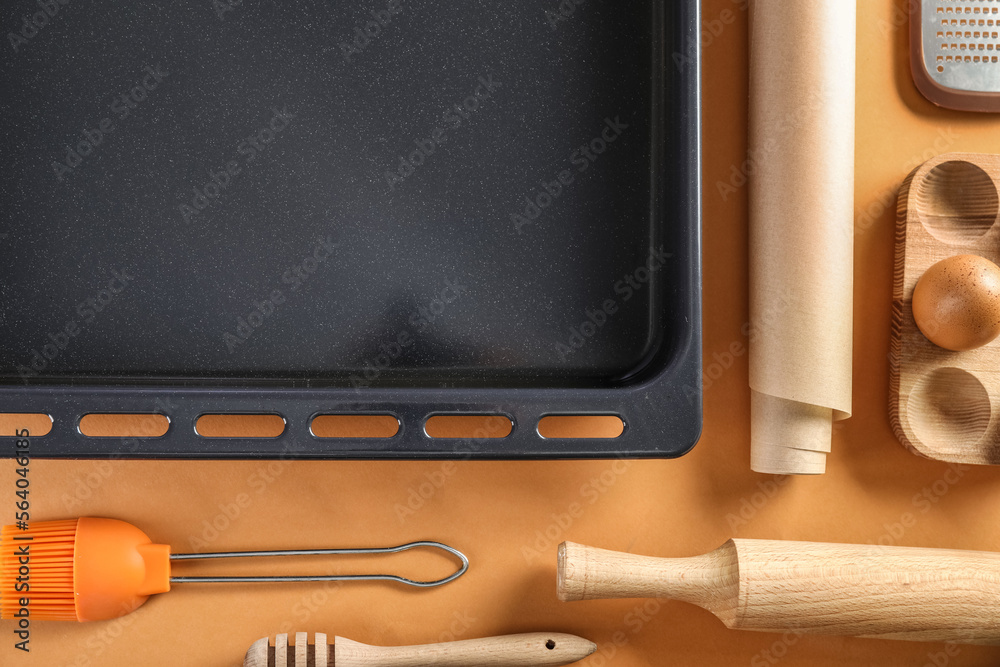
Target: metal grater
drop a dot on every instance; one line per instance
(955, 52)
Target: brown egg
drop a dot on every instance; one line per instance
(957, 302)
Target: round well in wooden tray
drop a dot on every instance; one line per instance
(957, 202)
(949, 405)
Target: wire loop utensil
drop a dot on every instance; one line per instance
(323, 552)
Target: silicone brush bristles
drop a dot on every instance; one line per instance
(48, 574)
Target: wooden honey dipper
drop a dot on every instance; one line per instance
(527, 650)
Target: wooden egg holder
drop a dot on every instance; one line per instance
(945, 405)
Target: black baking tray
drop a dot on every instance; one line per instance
(405, 207)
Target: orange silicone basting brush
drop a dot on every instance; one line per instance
(93, 569)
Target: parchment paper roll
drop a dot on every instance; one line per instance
(802, 77)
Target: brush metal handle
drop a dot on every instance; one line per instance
(806, 587)
(510, 651)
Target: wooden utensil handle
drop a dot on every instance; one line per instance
(839, 589)
(588, 573)
(510, 651)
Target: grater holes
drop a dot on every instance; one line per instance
(967, 36)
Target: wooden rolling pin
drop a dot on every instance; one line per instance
(833, 589)
(511, 651)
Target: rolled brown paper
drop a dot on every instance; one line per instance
(802, 81)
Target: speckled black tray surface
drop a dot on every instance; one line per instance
(395, 206)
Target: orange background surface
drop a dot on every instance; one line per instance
(509, 517)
